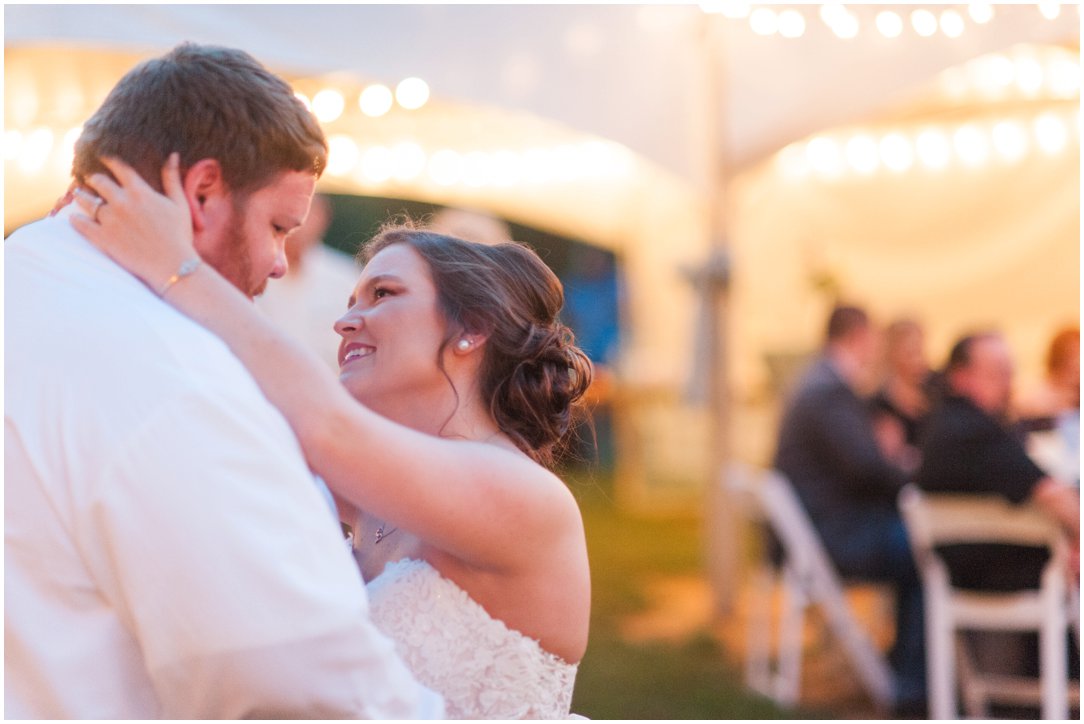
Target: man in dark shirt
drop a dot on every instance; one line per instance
(968, 448)
(828, 451)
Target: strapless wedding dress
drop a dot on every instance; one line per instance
(482, 668)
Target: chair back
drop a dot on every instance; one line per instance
(938, 519)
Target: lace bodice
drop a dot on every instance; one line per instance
(482, 668)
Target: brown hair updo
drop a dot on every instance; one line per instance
(532, 374)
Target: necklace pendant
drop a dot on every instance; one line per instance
(379, 536)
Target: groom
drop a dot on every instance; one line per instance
(167, 552)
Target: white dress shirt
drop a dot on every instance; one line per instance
(166, 552)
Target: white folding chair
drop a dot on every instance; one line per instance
(808, 579)
(941, 519)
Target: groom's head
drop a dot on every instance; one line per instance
(250, 151)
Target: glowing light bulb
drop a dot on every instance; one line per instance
(35, 150)
(1050, 133)
(933, 149)
(304, 100)
(13, 144)
(376, 100)
(328, 104)
(896, 153)
(1029, 75)
(1050, 9)
(342, 155)
(412, 93)
(861, 153)
(846, 26)
(764, 21)
(1010, 141)
(446, 167)
(791, 24)
(924, 22)
(952, 23)
(823, 155)
(889, 23)
(971, 145)
(734, 9)
(792, 162)
(377, 164)
(477, 169)
(981, 12)
(408, 161)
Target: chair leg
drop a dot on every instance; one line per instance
(758, 633)
(788, 680)
(1052, 657)
(940, 672)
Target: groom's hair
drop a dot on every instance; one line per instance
(203, 102)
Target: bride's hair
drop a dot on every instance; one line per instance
(532, 374)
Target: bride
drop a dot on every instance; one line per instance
(473, 550)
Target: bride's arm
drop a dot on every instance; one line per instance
(478, 502)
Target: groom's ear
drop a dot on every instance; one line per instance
(207, 194)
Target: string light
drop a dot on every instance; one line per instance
(328, 105)
(377, 164)
(1009, 140)
(408, 159)
(933, 149)
(412, 93)
(791, 24)
(376, 100)
(924, 22)
(304, 100)
(861, 154)
(896, 153)
(1049, 9)
(764, 21)
(970, 145)
(13, 144)
(981, 12)
(952, 23)
(342, 155)
(445, 167)
(889, 23)
(1050, 133)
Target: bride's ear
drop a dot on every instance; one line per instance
(206, 192)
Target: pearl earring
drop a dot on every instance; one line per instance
(463, 345)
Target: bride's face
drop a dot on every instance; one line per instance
(392, 333)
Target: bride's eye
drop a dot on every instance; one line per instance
(381, 292)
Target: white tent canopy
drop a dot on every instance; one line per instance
(629, 87)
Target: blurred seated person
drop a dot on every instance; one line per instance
(901, 404)
(317, 284)
(1049, 415)
(968, 447)
(827, 449)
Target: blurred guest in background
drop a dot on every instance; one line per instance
(1049, 415)
(1059, 392)
(828, 451)
(968, 447)
(319, 278)
(901, 404)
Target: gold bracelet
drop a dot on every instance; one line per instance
(186, 269)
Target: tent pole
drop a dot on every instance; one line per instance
(720, 522)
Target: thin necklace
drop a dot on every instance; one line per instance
(381, 535)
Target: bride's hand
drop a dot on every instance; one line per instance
(148, 233)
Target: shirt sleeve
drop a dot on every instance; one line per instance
(209, 538)
(840, 426)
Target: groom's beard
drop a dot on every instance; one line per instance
(234, 260)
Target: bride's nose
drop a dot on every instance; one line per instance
(348, 323)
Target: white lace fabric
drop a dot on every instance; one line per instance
(482, 668)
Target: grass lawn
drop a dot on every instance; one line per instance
(690, 679)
